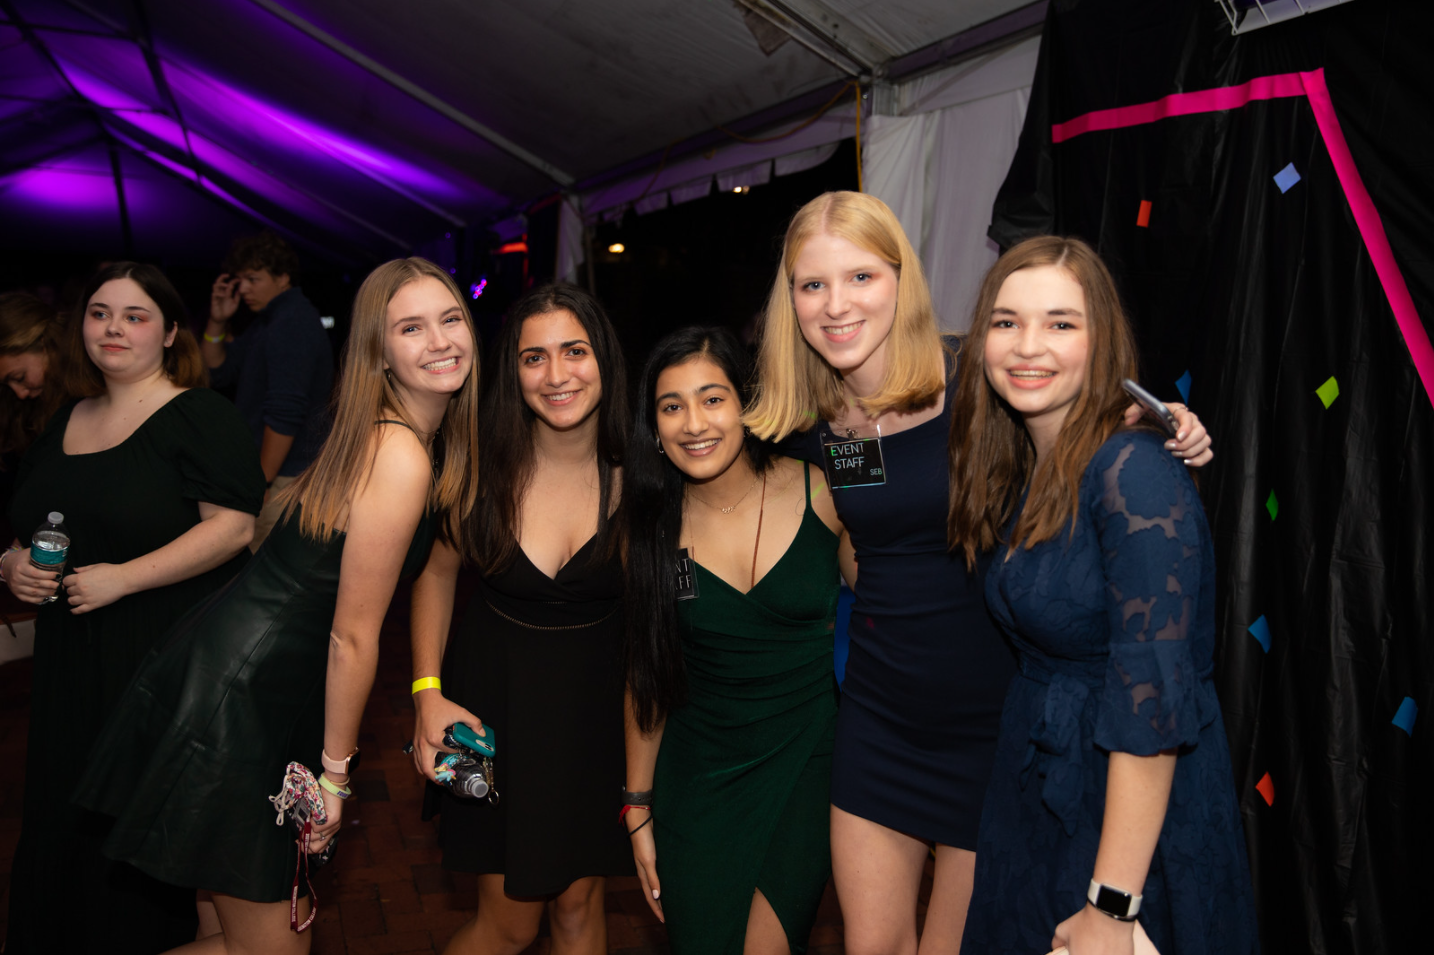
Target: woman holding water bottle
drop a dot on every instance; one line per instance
(156, 483)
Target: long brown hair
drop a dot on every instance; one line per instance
(992, 457)
(183, 364)
(795, 385)
(508, 423)
(27, 324)
(365, 395)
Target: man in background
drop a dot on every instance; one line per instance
(281, 368)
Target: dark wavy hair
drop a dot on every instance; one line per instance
(505, 428)
(263, 251)
(27, 324)
(183, 363)
(652, 493)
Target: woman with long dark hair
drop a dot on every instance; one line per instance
(158, 492)
(277, 667)
(1112, 797)
(732, 591)
(538, 652)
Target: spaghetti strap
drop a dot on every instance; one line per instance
(396, 421)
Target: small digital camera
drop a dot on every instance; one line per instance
(468, 771)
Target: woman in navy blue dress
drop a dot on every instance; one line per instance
(1112, 798)
(851, 348)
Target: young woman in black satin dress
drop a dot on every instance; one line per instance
(538, 651)
(851, 345)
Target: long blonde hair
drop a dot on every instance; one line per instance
(992, 457)
(365, 395)
(795, 384)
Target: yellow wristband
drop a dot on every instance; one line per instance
(427, 683)
(343, 792)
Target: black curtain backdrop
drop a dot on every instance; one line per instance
(1252, 299)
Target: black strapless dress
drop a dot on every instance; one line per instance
(202, 735)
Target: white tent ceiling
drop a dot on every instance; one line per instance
(367, 126)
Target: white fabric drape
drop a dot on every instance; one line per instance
(939, 163)
(571, 248)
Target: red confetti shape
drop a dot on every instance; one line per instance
(1266, 786)
(1143, 219)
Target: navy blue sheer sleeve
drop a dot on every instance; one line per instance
(1151, 540)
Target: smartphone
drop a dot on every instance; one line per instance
(1152, 404)
(485, 745)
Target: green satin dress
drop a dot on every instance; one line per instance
(743, 776)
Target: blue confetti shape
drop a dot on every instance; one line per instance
(1183, 383)
(1404, 718)
(1260, 630)
(1286, 178)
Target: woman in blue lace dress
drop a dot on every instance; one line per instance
(1112, 799)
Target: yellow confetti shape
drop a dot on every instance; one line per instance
(1328, 391)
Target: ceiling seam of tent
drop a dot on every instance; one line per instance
(384, 181)
(145, 42)
(837, 32)
(57, 153)
(101, 114)
(231, 183)
(780, 20)
(325, 248)
(417, 92)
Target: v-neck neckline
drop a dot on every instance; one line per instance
(806, 514)
(566, 564)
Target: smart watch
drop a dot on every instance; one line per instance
(1117, 903)
(343, 766)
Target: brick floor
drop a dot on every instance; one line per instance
(385, 893)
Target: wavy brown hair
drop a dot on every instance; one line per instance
(27, 324)
(365, 395)
(795, 385)
(992, 457)
(183, 364)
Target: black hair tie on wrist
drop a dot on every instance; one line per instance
(633, 832)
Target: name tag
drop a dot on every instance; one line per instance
(686, 576)
(853, 462)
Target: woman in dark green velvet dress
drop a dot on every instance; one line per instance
(731, 694)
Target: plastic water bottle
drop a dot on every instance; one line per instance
(50, 547)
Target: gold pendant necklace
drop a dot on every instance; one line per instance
(729, 508)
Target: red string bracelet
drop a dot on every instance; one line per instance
(622, 814)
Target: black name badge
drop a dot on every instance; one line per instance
(686, 576)
(853, 462)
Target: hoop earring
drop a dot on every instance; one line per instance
(659, 445)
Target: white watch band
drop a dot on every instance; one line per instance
(1117, 903)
